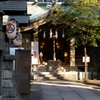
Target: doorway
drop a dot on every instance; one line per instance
(46, 46)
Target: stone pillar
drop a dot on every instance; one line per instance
(22, 67)
(72, 55)
(1, 52)
(9, 79)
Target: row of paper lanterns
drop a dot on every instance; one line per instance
(12, 32)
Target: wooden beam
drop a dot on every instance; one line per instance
(33, 25)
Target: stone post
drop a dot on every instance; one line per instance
(72, 55)
(1, 52)
(22, 68)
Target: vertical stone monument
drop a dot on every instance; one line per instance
(22, 67)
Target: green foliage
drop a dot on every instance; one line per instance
(81, 19)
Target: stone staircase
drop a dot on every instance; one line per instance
(41, 73)
(55, 75)
(66, 73)
(43, 68)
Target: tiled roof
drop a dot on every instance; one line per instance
(13, 5)
(19, 19)
(37, 12)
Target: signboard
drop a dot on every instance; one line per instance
(34, 52)
(12, 50)
(87, 59)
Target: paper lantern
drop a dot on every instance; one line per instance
(11, 28)
(18, 40)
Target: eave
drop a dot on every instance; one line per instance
(38, 12)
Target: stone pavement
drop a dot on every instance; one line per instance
(62, 90)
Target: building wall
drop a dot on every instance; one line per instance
(26, 44)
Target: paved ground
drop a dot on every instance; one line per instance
(95, 84)
(64, 90)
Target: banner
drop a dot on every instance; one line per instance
(34, 52)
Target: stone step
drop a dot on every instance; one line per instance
(55, 75)
(43, 68)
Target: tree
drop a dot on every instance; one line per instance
(81, 19)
